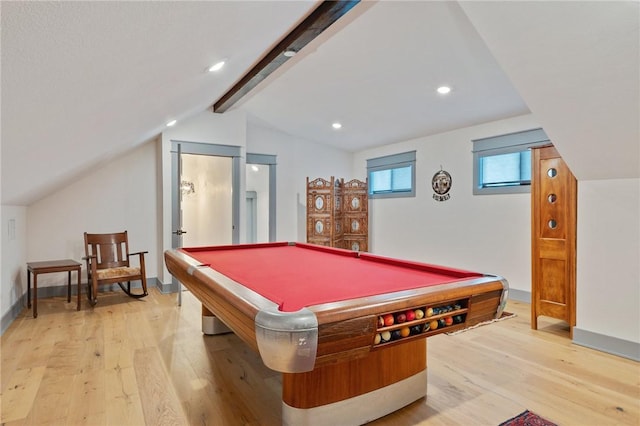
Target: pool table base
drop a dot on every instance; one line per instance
(360, 409)
(212, 325)
(359, 390)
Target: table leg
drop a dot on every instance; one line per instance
(28, 289)
(68, 286)
(79, 289)
(35, 295)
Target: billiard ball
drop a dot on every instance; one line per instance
(405, 331)
(401, 317)
(457, 306)
(385, 336)
(395, 335)
(427, 326)
(419, 313)
(433, 324)
(429, 312)
(388, 320)
(457, 319)
(416, 329)
(448, 320)
(441, 323)
(380, 322)
(377, 339)
(410, 315)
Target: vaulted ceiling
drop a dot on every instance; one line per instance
(83, 82)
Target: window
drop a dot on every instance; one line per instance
(392, 175)
(502, 164)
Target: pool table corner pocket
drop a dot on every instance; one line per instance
(287, 341)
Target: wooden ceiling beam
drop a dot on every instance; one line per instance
(319, 20)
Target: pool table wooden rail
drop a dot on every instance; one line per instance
(240, 317)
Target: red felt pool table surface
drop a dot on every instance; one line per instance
(302, 275)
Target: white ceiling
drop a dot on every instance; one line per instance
(83, 82)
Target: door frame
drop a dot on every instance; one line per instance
(269, 160)
(178, 148)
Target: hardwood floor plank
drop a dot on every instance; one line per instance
(88, 396)
(19, 393)
(51, 405)
(122, 398)
(160, 403)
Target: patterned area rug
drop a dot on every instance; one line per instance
(504, 316)
(527, 418)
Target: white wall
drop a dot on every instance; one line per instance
(14, 256)
(297, 159)
(609, 257)
(485, 233)
(120, 195)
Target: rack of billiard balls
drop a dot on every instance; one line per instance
(411, 322)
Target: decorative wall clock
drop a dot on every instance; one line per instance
(441, 184)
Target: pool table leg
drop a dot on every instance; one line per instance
(357, 391)
(211, 324)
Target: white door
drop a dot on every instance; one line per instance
(206, 203)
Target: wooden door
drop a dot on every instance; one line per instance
(554, 210)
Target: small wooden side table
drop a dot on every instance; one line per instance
(35, 268)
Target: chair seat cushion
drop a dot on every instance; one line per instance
(121, 272)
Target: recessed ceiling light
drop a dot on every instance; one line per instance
(443, 90)
(171, 123)
(216, 67)
(289, 53)
(336, 125)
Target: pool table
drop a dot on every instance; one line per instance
(347, 329)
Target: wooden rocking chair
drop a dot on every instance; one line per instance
(107, 257)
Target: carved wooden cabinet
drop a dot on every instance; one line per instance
(337, 213)
(553, 227)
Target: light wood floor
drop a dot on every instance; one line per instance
(145, 362)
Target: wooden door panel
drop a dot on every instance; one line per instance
(553, 274)
(551, 248)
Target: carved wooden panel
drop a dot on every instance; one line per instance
(337, 210)
(356, 243)
(356, 225)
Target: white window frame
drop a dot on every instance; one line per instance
(390, 162)
(504, 144)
